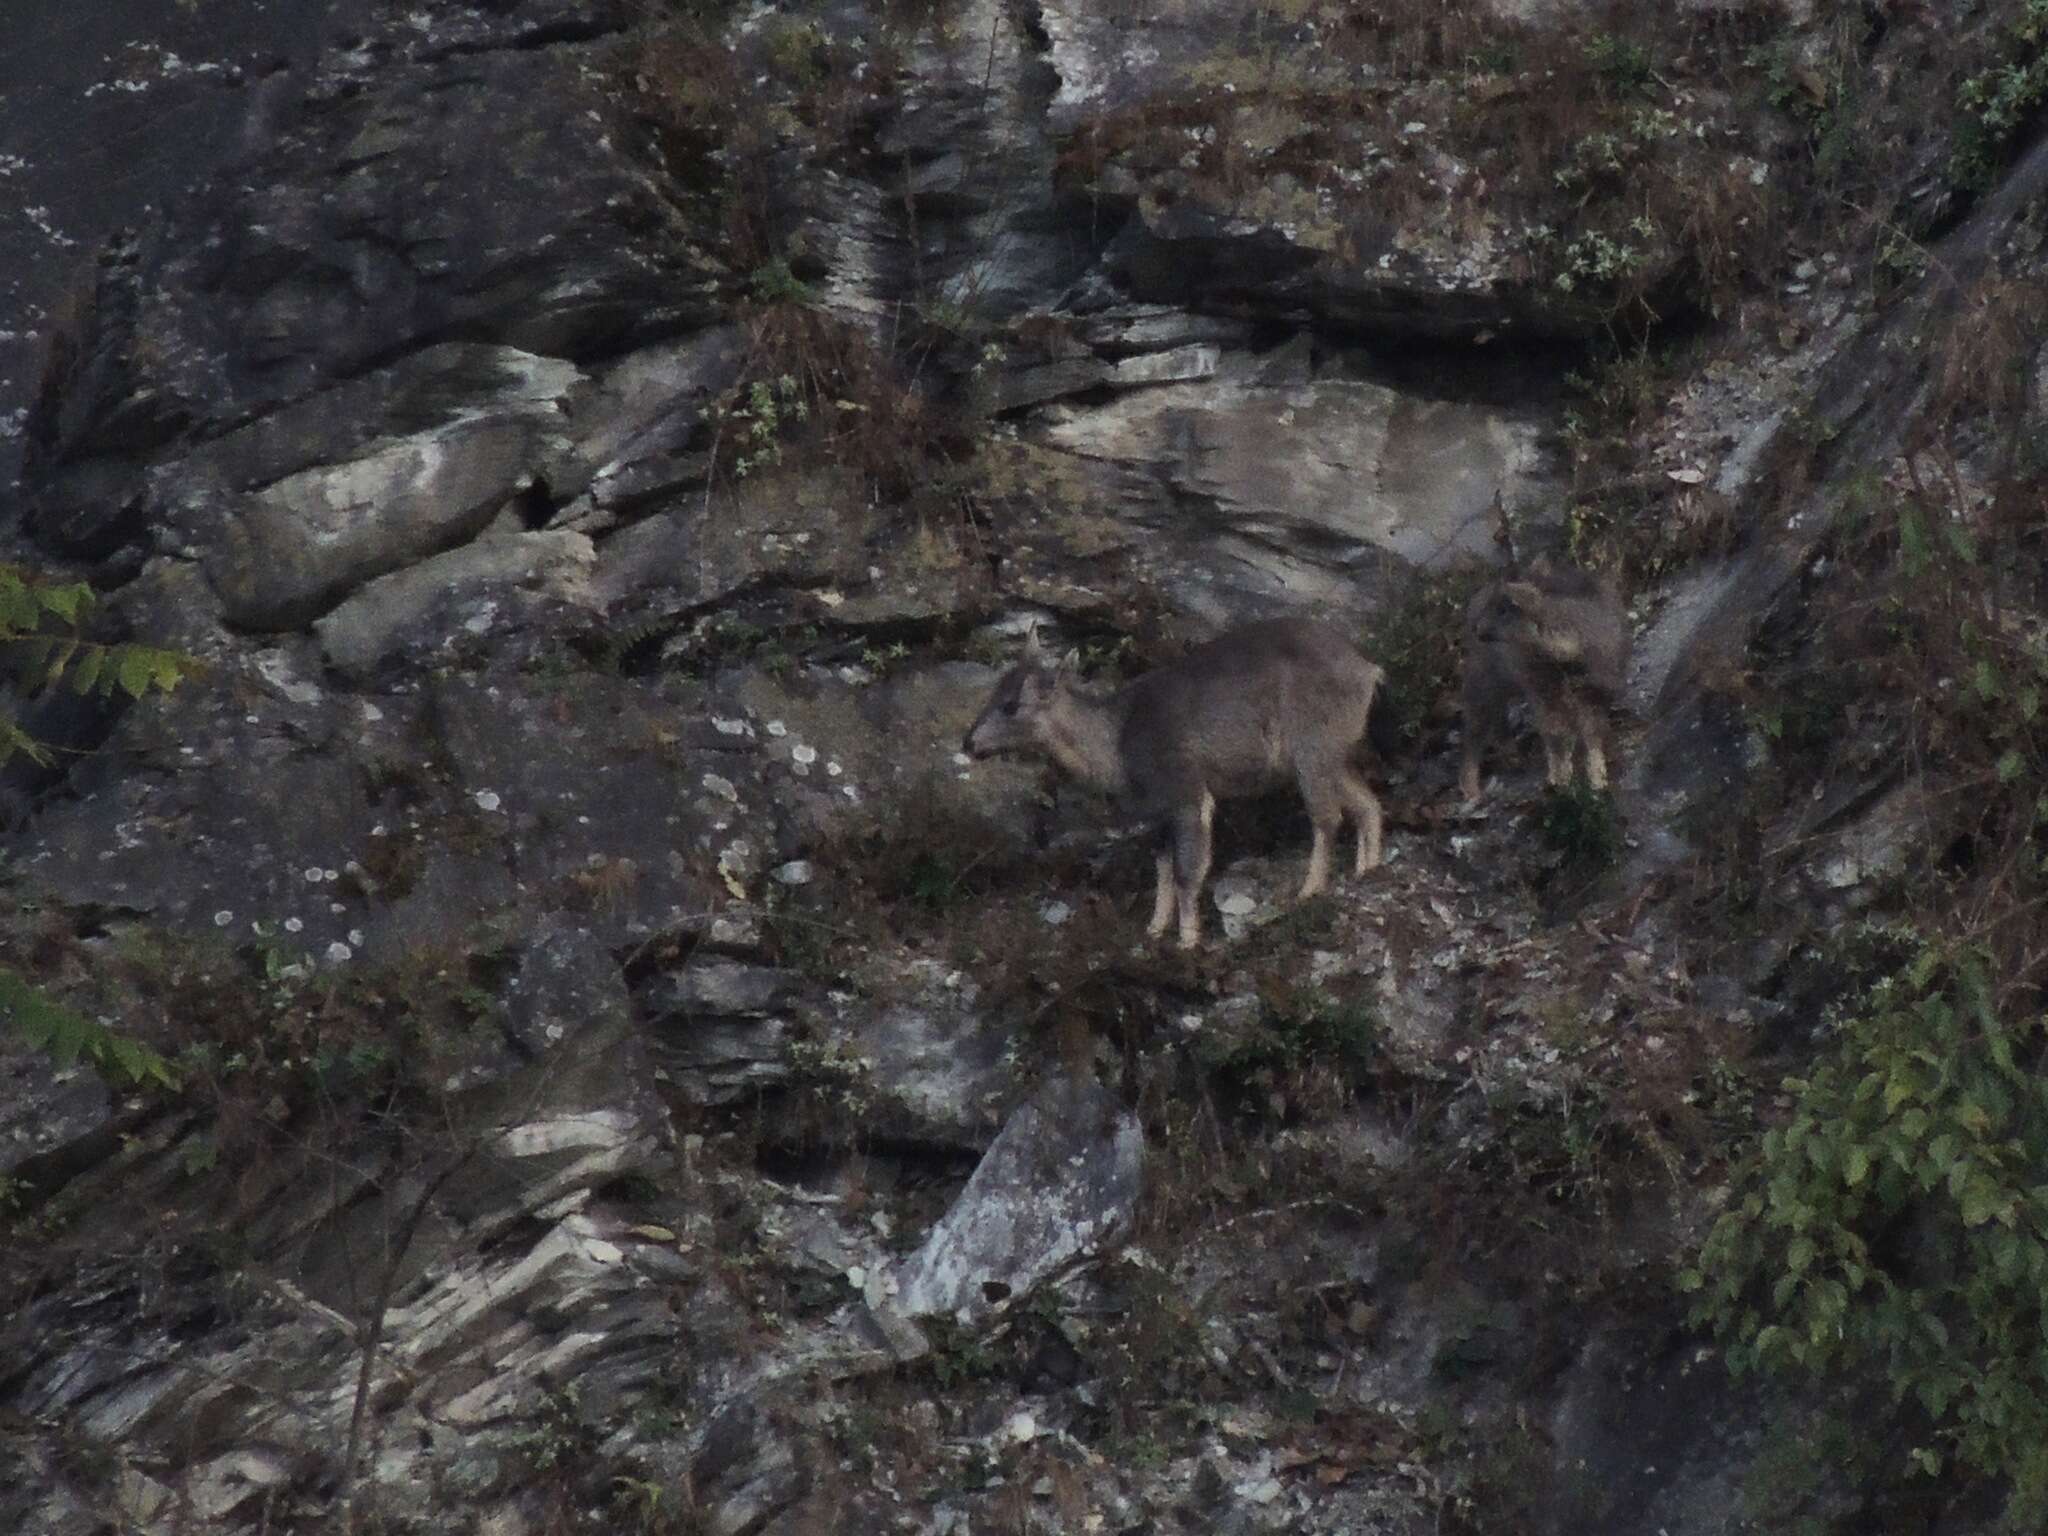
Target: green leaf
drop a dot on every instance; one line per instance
(65, 1036)
(86, 675)
(1983, 1201)
(14, 739)
(2010, 766)
(134, 671)
(69, 602)
(1856, 1166)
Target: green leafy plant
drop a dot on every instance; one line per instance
(1897, 1225)
(1305, 1054)
(764, 409)
(774, 283)
(1579, 824)
(1995, 102)
(1414, 638)
(68, 1036)
(1621, 63)
(41, 644)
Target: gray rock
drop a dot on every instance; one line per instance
(1377, 482)
(767, 530)
(51, 1116)
(449, 195)
(716, 1030)
(629, 443)
(721, 988)
(468, 593)
(1059, 1183)
(566, 984)
(286, 553)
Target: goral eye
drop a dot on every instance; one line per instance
(1010, 708)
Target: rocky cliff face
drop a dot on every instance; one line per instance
(634, 1072)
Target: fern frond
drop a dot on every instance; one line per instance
(65, 1036)
(623, 641)
(41, 661)
(14, 739)
(25, 600)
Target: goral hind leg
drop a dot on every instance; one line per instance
(1191, 853)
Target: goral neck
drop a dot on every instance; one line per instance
(1084, 743)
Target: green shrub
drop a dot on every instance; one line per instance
(1580, 825)
(42, 647)
(1994, 103)
(67, 1036)
(1417, 640)
(1897, 1225)
(1621, 63)
(1304, 1054)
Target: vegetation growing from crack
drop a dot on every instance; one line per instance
(1894, 1226)
(44, 646)
(1890, 1232)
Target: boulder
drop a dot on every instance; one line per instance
(1059, 1183)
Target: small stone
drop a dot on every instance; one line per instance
(487, 800)
(777, 728)
(795, 872)
(293, 924)
(803, 754)
(339, 953)
(1236, 904)
(1055, 913)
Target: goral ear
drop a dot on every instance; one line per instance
(1070, 664)
(1033, 646)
